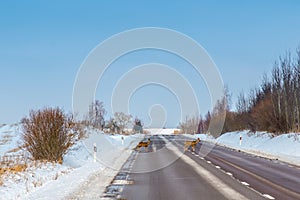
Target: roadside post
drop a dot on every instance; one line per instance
(122, 140)
(241, 140)
(95, 152)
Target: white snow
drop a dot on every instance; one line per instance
(79, 172)
(54, 181)
(161, 131)
(10, 136)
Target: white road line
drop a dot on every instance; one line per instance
(268, 196)
(214, 181)
(218, 167)
(122, 182)
(228, 173)
(154, 148)
(245, 183)
(208, 161)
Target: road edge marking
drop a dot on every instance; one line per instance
(214, 181)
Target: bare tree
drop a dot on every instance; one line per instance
(122, 120)
(242, 105)
(190, 125)
(201, 125)
(297, 89)
(96, 114)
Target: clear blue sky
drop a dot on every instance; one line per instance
(43, 44)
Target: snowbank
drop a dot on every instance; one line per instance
(54, 181)
(284, 147)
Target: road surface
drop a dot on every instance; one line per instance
(170, 173)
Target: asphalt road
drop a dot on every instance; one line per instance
(164, 171)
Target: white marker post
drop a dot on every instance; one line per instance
(95, 152)
(241, 140)
(122, 140)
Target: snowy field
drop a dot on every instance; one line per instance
(79, 166)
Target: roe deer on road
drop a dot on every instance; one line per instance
(192, 144)
(143, 144)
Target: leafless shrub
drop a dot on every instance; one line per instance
(48, 134)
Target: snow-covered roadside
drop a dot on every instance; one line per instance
(54, 181)
(89, 178)
(284, 147)
(36, 174)
(113, 156)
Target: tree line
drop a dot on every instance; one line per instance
(273, 106)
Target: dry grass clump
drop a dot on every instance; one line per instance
(13, 169)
